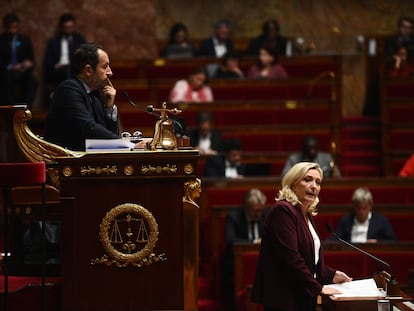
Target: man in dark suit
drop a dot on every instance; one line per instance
(60, 49)
(363, 225)
(269, 39)
(244, 224)
(205, 138)
(84, 106)
(404, 37)
(17, 82)
(311, 153)
(227, 164)
(218, 44)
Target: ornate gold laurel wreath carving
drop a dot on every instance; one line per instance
(98, 170)
(121, 242)
(159, 169)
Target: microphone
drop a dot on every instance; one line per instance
(391, 276)
(149, 109)
(178, 127)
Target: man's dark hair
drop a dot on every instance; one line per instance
(405, 19)
(267, 25)
(204, 116)
(10, 18)
(86, 54)
(222, 23)
(309, 141)
(65, 17)
(229, 55)
(232, 144)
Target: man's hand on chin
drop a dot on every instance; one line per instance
(108, 93)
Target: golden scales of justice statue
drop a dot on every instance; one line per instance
(129, 246)
(164, 137)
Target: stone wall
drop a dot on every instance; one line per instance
(331, 25)
(130, 29)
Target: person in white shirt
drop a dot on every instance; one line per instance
(363, 225)
(219, 43)
(227, 164)
(205, 138)
(60, 49)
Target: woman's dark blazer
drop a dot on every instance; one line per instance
(285, 272)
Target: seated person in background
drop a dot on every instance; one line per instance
(192, 89)
(310, 153)
(404, 37)
(244, 224)
(178, 45)
(270, 38)
(403, 66)
(59, 51)
(267, 66)
(408, 168)
(205, 138)
(229, 67)
(219, 43)
(229, 163)
(363, 225)
(84, 106)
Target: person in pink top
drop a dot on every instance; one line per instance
(192, 89)
(267, 66)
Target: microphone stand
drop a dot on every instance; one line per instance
(178, 127)
(382, 278)
(168, 132)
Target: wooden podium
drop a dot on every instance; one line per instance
(361, 304)
(130, 241)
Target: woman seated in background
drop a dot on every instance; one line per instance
(178, 45)
(362, 224)
(267, 66)
(229, 67)
(402, 66)
(192, 89)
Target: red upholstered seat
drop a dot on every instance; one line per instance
(14, 175)
(402, 226)
(322, 220)
(249, 264)
(353, 263)
(401, 114)
(271, 141)
(22, 174)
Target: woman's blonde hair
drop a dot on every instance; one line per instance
(292, 177)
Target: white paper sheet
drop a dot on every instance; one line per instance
(358, 288)
(105, 144)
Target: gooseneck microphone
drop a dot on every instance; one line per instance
(329, 227)
(178, 128)
(149, 109)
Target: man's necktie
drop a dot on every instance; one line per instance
(13, 59)
(97, 106)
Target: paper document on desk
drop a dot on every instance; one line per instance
(360, 288)
(106, 144)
